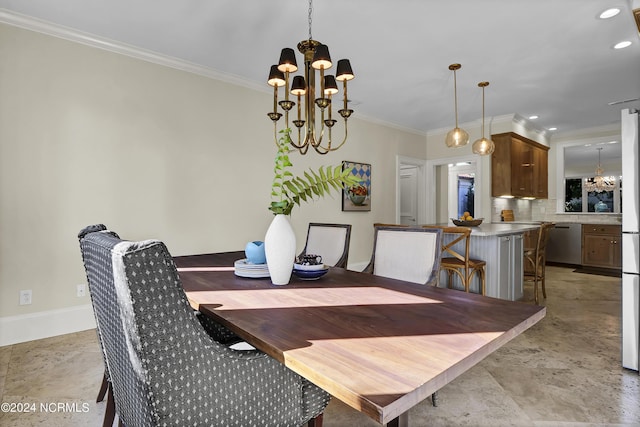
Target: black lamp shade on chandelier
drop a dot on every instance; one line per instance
(312, 131)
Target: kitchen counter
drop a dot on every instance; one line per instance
(502, 228)
(500, 245)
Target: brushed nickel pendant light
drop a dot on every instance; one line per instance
(456, 137)
(483, 146)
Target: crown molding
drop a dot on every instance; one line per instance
(40, 26)
(606, 131)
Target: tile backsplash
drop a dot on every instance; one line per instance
(545, 210)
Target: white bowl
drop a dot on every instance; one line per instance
(309, 267)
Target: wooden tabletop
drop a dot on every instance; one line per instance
(380, 345)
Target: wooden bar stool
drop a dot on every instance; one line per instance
(534, 258)
(459, 262)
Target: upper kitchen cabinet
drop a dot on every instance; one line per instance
(519, 167)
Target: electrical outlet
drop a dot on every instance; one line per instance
(81, 290)
(25, 297)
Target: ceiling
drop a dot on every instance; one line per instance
(550, 58)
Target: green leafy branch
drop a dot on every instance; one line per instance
(290, 190)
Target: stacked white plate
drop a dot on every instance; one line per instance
(246, 269)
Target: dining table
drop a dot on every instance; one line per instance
(379, 345)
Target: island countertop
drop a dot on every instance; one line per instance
(501, 229)
(500, 245)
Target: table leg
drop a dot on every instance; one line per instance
(401, 421)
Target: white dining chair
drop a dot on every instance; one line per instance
(331, 241)
(406, 253)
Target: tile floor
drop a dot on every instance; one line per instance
(564, 371)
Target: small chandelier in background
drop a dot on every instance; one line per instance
(316, 57)
(599, 183)
(483, 146)
(456, 137)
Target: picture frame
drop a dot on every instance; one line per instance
(357, 198)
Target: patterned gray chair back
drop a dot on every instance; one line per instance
(165, 369)
(129, 389)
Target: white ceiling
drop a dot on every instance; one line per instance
(551, 58)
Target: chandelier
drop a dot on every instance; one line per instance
(311, 129)
(599, 183)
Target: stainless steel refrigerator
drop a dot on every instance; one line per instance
(630, 240)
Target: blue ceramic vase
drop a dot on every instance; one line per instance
(255, 252)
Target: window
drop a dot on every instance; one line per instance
(578, 199)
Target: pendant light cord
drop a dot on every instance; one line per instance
(483, 112)
(455, 96)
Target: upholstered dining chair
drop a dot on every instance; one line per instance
(406, 253)
(331, 241)
(534, 258)
(105, 387)
(163, 366)
(456, 259)
(214, 329)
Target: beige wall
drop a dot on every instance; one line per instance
(89, 136)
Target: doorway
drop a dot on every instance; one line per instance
(408, 194)
(453, 187)
(461, 190)
(410, 191)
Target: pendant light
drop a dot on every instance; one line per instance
(456, 137)
(483, 146)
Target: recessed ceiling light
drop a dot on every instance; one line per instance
(533, 117)
(622, 45)
(609, 13)
(553, 128)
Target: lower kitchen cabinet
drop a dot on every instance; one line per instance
(602, 246)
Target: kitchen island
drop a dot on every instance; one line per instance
(500, 245)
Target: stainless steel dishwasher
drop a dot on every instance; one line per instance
(565, 244)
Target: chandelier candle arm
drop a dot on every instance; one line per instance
(276, 79)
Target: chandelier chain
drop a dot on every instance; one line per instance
(310, 17)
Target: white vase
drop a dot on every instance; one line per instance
(280, 249)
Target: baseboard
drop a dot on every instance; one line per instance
(45, 324)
